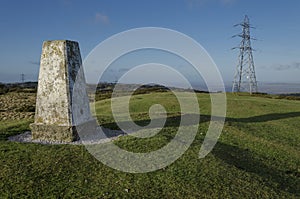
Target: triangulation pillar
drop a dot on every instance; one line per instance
(60, 63)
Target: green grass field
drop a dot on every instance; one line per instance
(257, 156)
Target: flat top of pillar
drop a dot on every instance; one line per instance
(59, 41)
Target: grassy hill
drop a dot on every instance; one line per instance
(257, 155)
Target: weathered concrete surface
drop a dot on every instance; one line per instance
(60, 63)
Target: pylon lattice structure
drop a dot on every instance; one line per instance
(22, 78)
(245, 78)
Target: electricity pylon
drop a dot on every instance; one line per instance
(245, 78)
(22, 78)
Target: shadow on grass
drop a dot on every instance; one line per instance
(8, 129)
(174, 121)
(243, 159)
(265, 118)
(246, 160)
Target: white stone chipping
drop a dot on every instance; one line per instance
(111, 135)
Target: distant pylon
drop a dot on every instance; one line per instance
(245, 78)
(22, 78)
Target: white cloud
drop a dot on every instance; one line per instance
(282, 67)
(199, 3)
(66, 3)
(101, 18)
(227, 2)
(37, 63)
(292, 66)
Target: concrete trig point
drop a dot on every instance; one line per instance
(54, 119)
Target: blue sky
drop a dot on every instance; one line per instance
(26, 24)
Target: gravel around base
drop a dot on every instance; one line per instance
(109, 136)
